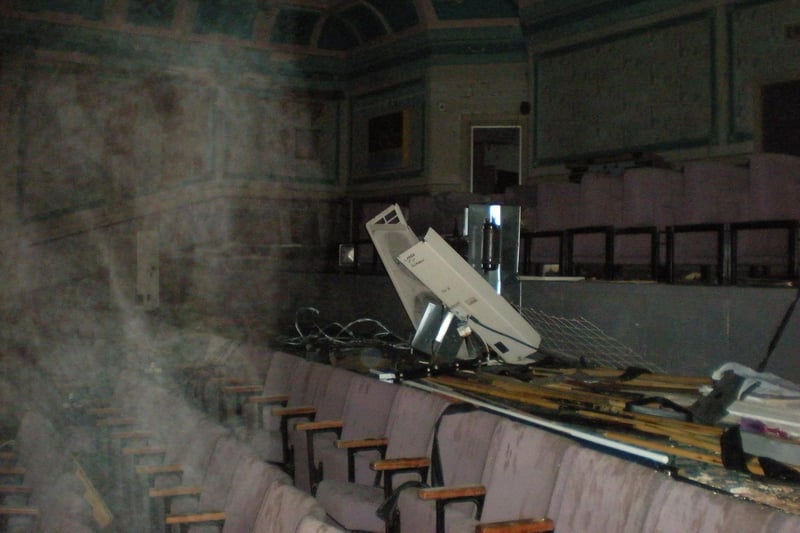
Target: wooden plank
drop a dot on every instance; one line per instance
(665, 448)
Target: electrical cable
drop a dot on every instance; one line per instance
(506, 335)
(779, 332)
(344, 335)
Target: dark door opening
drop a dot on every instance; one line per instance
(780, 117)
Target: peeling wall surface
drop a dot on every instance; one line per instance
(235, 131)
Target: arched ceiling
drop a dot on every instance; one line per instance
(346, 25)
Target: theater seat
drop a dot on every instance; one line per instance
(329, 407)
(248, 487)
(678, 507)
(365, 415)
(596, 491)
(511, 491)
(405, 456)
(284, 507)
(463, 442)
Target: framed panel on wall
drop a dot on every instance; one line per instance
(388, 129)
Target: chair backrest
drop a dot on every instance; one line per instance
(318, 377)
(284, 507)
(250, 483)
(650, 196)
(312, 524)
(411, 422)
(367, 407)
(597, 491)
(463, 442)
(774, 186)
(678, 506)
(335, 395)
(299, 382)
(278, 372)
(520, 471)
(222, 465)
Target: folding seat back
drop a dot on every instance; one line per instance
(228, 453)
(365, 415)
(194, 453)
(328, 407)
(558, 206)
(332, 405)
(248, 487)
(773, 195)
(678, 506)
(318, 377)
(601, 199)
(602, 492)
(278, 373)
(557, 210)
(462, 444)
(648, 196)
(284, 507)
(713, 192)
(412, 422)
(312, 524)
(519, 474)
(774, 187)
(299, 387)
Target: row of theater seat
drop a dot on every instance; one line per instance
(42, 487)
(312, 447)
(157, 463)
(379, 456)
(659, 218)
(162, 450)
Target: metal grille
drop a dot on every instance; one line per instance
(578, 339)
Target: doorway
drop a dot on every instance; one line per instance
(496, 160)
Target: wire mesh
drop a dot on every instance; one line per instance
(580, 340)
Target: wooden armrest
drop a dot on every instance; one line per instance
(15, 489)
(146, 450)
(218, 516)
(104, 411)
(233, 382)
(243, 389)
(361, 443)
(540, 525)
(407, 463)
(110, 422)
(294, 411)
(171, 492)
(449, 493)
(277, 398)
(152, 470)
(19, 511)
(126, 435)
(319, 425)
(12, 470)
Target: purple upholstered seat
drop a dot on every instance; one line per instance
(464, 440)
(596, 491)
(329, 406)
(774, 194)
(283, 508)
(248, 487)
(365, 415)
(678, 507)
(312, 524)
(522, 465)
(412, 420)
(306, 387)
